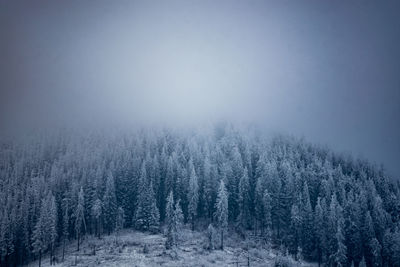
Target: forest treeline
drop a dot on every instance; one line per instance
(305, 199)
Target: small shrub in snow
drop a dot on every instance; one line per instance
(251, 244)
(256, 253)
(145, 249)
(154, 229)
(282, 261)
(173, 253)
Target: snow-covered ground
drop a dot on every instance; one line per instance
(132, 248)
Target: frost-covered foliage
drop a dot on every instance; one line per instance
(282, 261)
(221, 213)
(173, 221)
(318, 205)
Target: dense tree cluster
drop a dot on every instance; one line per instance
(316, 204)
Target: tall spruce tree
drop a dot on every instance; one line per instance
(109, 204)
(170, 222)
(296, 229)
(307, 217)
(52, 225)
(119, 221)
(259, 207)
(362, 263)
(40, 235)
(178, 219)
(97, 215)
(368, 235)
(65, 222)
(193, 195)
(352, 226)
(221, 211)
(244, 219)
(169, 209)
(147, 216)
(340, 255)
(320, 232)
(80, 223)
(375, 250)
(174, 222)
(267, 216)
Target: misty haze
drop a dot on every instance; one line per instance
(199, 133)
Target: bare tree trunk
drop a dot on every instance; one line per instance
(78, 241)
(98, 229)
(63, 252)
(222, 239)
(278, 232)
(54, 254)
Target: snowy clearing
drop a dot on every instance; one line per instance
(133, 248)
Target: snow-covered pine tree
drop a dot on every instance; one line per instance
(178, 219)
(352, 226)
(65, 207)
(340, 255)
(39, 235)
(170, 175)
(178, 214)
(119, 221)
(109, 204)
(332, 226)
(280, 213)
(193, 195)
(267, 216)
(52, 225)
(307, 224)
(295, 229)
(147, 216)
(244, 218)
(368, 235)
(45, 231)
(259, 207)
(169, 209)
(221, 211)
(320, 234)
(391, 248)
(174, 222)
(5, 235)
(233, 179)
(97, 215)
(170, 221)
(375, 250)
(362, 263)
(209, 187)
(80, 223)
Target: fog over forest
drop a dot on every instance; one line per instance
(326, 71)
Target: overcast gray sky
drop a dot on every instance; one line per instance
(326, 70)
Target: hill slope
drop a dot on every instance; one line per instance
(303, 198)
